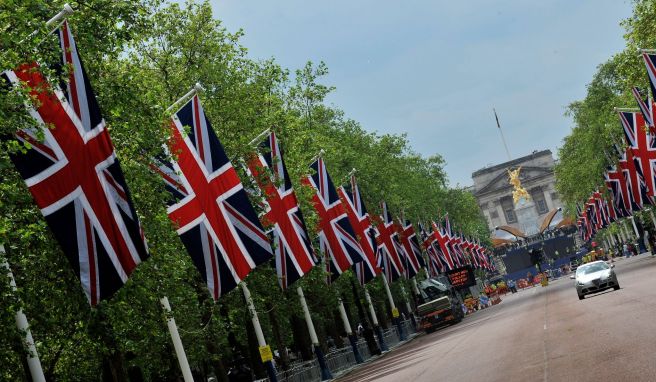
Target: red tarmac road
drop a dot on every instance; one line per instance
(540, 334)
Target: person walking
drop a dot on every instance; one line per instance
(625, 250)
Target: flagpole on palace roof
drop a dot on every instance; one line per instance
(503, 138)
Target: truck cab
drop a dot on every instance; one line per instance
(440, 305)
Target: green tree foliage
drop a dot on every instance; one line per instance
(582, 157)
(141, 56)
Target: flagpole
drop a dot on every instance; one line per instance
(177, 342)
(395, 311)
(349, 331)
(195, 90)
(374, 320)
(255, 141)
(325, 371)
(503, 138)
(61, 16)
(265, 350)
(33, 361)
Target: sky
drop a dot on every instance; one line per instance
(435, 69)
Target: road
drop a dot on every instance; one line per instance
(540, 334)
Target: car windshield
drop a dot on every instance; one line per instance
(592, 268)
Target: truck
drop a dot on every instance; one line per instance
(441, 306)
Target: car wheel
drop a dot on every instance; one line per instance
(581, 297)
(616, 287)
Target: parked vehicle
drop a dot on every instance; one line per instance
(441, 306)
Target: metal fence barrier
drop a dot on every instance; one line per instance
(307, 371)
(339, 360)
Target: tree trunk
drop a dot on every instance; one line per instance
(368, 328)
(216, 362)
(113, 368)
(334, 331)
(277, 336)
(301, 337)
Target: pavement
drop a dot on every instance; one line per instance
(540, 334)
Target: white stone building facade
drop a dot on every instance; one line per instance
(494, 193)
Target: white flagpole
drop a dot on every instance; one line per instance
(372, 311)
(195, 90)
(265, 350)
(374, 320)
(349, 331)
(33, 361)
(308, 318)
(395, 311)
(389, 296)
(635, 228)
(177, 342)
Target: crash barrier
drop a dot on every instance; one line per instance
(339, 360)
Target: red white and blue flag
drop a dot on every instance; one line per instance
(336, 236)
(412, 251)
(443, 240)
(292, 246)
(646, 107)
(208, 205)
(634, 179)
(650, 64)
(429, 242)
(642, 146)
(357, 213)
(71, 169)
(618, 187)
(389, 258)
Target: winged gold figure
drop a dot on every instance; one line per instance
(519, 192)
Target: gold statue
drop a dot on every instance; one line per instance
(519, 192)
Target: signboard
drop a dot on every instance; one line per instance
(462, 278)
(265, 353)
(395, 313)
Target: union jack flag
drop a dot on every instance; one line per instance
(642, 145)
(429, 242)
(366, 234)
(650, 64)
(293, 250)
(336, 236)
(75, 177)
(634, 179)
(646, 107)
(412, 251)
(209, 206)
(443, 240)
(617, 185)
(451, 242)
(388, 246)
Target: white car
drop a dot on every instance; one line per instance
(595, 277)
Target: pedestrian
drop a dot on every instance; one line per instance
(634, 249)
(625, 250)
(529, 278)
